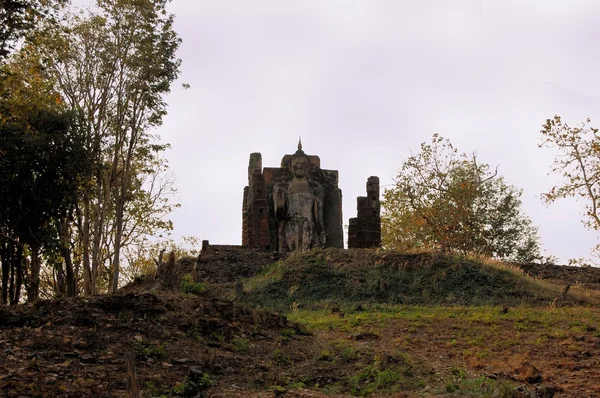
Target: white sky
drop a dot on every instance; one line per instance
(364, 82)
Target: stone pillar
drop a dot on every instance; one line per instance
(333, 217)
(364, 231)
(245, 231)
(255, 222)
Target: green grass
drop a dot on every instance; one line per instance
(479, 334)
(190, 287)
(346, 278)
(369, 304)
(521, 318)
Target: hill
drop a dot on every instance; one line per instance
(346, 323)
(357, 277)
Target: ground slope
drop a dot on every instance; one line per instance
(346, 278)
(340, 336)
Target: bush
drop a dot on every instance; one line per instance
(443, 200)
(193, 384)
(190, 287)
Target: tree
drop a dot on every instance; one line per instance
(578, 162)
(113, 68)
(42, 166)
(145, 257)
(18, 17)
(443, 200)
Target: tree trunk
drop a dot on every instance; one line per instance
(118, 235)
(76, 268)
(19, 270)
(14, 264)
(168, 275)
(102, 196)
(60, 279)
(5, 272)
(33, 292)
(65, 250)
(85, 238)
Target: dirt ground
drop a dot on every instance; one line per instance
(76, 348)
(203, 346)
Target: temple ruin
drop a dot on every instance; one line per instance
(298, 206)
(364, 230)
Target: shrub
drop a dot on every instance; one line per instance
(190, 287)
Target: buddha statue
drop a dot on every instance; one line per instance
(298, 205)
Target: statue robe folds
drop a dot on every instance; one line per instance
(299, 212)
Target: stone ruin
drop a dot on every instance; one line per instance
(298, 206)
(364, 230)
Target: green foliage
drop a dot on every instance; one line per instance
(461, 383)
(578, 162)
(281, 357)
(143, 257)
(346, 278)
(19, 17)
(380, 376)
(193, 384)
(145, 349)
(324, 355)
(240, 344)
(155, 390)
(278, 391)
(443, 200)
(190, 287)
(113, 65)
(43, 165)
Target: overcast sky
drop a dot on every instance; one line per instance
(364, 83)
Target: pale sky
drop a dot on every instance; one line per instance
(364, 83)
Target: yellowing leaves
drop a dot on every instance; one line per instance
(445, 200)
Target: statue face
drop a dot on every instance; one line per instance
(300, 167)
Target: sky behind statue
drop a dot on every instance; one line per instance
(364, 83)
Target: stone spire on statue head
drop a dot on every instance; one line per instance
(300, 152)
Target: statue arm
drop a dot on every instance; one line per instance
(318, 216)
(279, 202)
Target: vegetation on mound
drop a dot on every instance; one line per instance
(352, 277)
(484, 351)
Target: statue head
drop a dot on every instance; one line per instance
(300, 163)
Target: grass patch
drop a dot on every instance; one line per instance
(344, 278)
(188, 285)
(385, 376)
(460, 383)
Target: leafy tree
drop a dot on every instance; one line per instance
(18, 17)
(144, 258)
(578, 162)
(42, 165)
(443, 200)
(113, 68)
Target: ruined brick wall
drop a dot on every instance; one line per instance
(255, 209)
(228, 263)
(364, 231)
(260, 230)
(332, 208)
